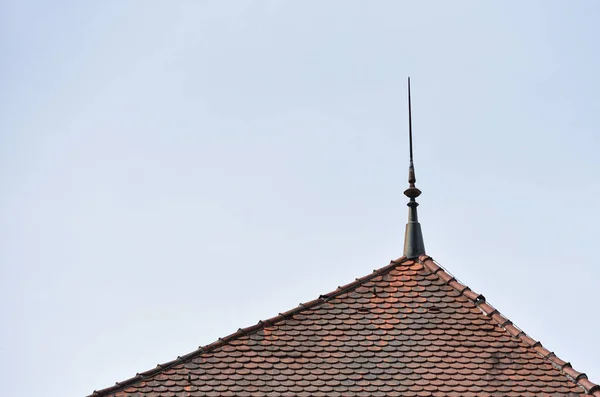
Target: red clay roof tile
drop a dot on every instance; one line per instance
(408, 329)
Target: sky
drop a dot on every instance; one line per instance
(173, 171)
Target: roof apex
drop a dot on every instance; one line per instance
(401, 275)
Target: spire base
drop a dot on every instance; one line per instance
(413, 240)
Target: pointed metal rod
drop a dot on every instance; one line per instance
(410, 124)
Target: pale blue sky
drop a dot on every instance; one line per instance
(172, 171)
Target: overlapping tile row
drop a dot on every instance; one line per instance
(408, 329)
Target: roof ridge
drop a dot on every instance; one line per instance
(579, 378)
(253, 328)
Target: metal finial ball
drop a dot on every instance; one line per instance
(412, 192)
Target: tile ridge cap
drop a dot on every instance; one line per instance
(580, 379)
(118, 386)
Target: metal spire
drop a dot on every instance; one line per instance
(413, 238)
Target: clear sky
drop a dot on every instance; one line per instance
(174, 170)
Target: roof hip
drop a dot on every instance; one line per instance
(479, 300)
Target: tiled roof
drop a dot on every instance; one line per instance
(408, 329)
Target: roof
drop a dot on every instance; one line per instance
(407, 329)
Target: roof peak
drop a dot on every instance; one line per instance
(380, 307)
(413, 237)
